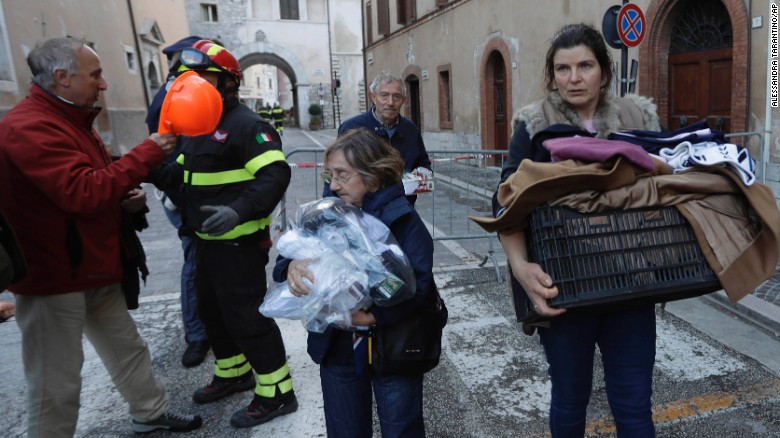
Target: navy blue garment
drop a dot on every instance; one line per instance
(347, 393)
(390, 206)
(653, 141)
(347, 403)
(626, 340)
(194, 330)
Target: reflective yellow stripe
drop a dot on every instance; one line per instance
(274, 377)
(232, 372)
(219, 178)
(231, 361)
(285, 386)
(244, 229)
(263, 160)
(180, 159)
(269, 391)
(232, 367)
(265, 391)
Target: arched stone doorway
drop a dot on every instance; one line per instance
(693, 78)
(411, 77)
(281, 58)
(495, 95)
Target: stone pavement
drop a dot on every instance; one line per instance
(761, 307)
(158, 322)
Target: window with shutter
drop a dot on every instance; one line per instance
(383, 17)
(400, 11)
(445, 97)
(288, 9)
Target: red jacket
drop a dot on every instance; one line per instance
(61, 192)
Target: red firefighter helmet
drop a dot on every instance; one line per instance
(206, 55)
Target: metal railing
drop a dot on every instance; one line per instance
(464, 183)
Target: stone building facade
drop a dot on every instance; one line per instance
(470, 64)
(313, 42)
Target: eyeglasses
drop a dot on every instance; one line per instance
(341, 178)
(197, 60)
(384, 96)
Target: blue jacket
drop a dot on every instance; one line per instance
(390, 206)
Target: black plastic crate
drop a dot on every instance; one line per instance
(617, 257)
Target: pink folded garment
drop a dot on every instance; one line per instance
(597, 150)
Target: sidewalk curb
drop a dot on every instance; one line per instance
(754, 309)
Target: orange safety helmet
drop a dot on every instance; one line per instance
(206, 55)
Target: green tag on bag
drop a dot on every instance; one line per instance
(389, 286)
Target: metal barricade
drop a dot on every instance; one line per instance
(464, 183)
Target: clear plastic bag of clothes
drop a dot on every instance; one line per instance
(360, 264)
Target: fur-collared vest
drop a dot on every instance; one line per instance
(613, 114)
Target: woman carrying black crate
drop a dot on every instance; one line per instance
(578, 77)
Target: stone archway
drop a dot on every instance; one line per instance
(654, 75)
(495, 51)
(261, 52)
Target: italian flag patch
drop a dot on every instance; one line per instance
(263, 137)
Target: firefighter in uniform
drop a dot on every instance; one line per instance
(278, 116)
(232, 181)
(265, 113)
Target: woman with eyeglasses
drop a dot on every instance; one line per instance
(365, 171)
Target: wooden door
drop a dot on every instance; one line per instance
(496, 107)
(500, 117)
(700, 88)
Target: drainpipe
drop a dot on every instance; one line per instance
(138, 50)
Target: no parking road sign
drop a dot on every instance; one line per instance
(631, 25)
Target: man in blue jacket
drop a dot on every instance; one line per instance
(388, 92)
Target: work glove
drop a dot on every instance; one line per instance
(223, 220)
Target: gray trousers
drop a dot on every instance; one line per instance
(52, 328)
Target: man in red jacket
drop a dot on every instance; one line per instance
(64, 195)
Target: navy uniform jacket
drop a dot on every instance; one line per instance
(390, 206)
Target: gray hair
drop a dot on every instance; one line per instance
(386, 78)
(51, 55)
